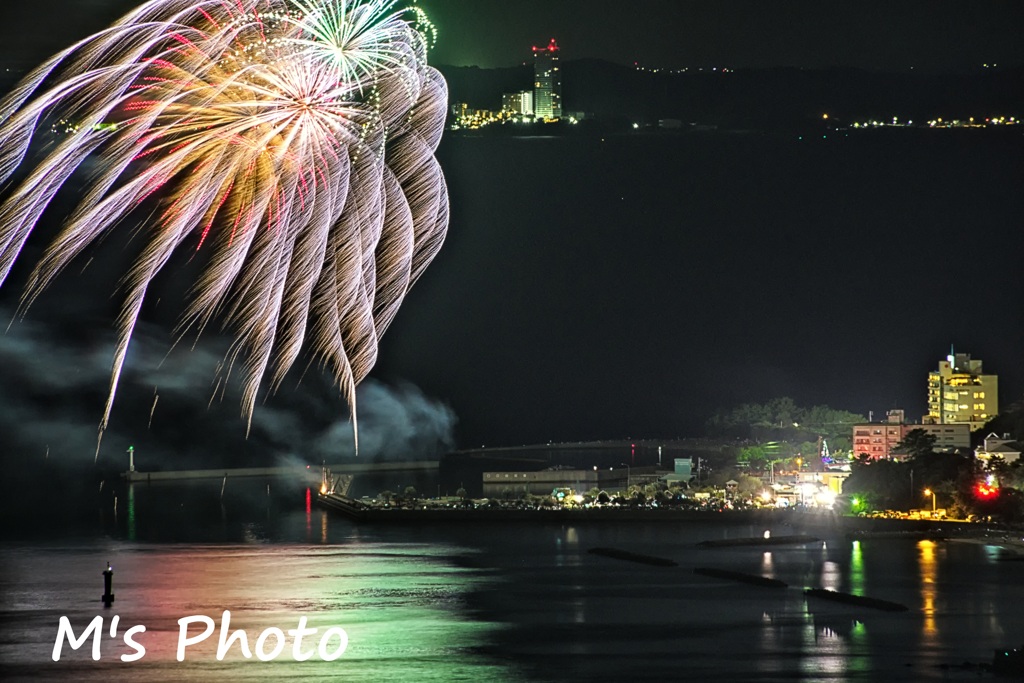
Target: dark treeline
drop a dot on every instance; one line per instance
(781, 419)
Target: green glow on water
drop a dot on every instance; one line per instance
(856, 569)
(131, 512)
(408, 611)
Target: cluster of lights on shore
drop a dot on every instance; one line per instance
(970, 122)
(474, 119)
(684, 70)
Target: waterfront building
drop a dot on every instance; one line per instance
(998, 446)
(547, 82)
(879, 439)
(517, 103)
(543, 482)
(682, 473)
(960, 393)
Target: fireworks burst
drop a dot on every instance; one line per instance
(290, 141)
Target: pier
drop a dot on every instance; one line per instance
(310, 474)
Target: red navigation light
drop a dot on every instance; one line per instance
(986, 492)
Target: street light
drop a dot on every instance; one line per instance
(929, 492)
(627, 474)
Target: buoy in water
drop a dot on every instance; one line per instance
(108, 580)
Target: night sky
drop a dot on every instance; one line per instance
(923, 34)
(603, 290)
(877, 34)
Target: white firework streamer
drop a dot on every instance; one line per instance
(291, 140)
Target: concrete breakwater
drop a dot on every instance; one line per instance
(421, 513)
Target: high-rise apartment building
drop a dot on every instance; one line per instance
(517, 103)
(959, 392)
(547, 83)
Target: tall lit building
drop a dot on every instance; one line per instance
(547, 83)
(958, 392)
(517, 103)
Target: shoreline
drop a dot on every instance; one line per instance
(820, 522)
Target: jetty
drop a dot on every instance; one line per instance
(856, 600)
(309, 474)
(628, 556)
(444, 511)
(752, 579)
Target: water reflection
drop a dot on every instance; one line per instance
(825, 651)
(928, 569)
(402, 606)
(831, 576)
(856, 568)
(827, 640)
(770, 643)
(131, 512)
(767, 570)
(564, 614)
(859, 656)
(309, 516)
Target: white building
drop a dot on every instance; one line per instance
(996, 446)
(517, 103)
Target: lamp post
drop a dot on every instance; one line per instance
(627, 474)
(929, 492)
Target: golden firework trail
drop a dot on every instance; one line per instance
(290, 141)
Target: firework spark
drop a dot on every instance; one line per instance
(289, 141)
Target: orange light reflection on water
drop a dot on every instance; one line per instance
(928, 568)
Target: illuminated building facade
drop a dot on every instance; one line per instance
(995, 446)
(517, 103)
(879, 439)
(513, 484)
(547, 83)
(959, 392)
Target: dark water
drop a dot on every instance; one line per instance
(632, 286)
(496, 602)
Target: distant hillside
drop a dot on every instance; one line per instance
(750, 98)
(483, 88)
(754, 98)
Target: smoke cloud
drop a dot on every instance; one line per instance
(176, 413)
